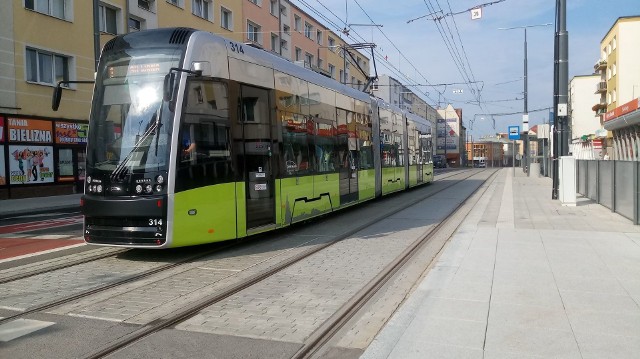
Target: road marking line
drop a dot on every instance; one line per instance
(21, 327)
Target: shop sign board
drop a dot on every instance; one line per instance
(71, 133)
(622, 110)
(29, 130)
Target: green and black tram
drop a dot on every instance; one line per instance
(194, 138)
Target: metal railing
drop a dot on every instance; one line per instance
(613, 184)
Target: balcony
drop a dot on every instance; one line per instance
(601, 87)
(599, 106)
(600, 65)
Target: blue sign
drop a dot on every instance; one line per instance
(514, 132)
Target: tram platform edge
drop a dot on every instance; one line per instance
(524, 276)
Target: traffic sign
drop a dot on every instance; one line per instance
(514, 132)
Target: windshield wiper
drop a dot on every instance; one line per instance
(121, 170)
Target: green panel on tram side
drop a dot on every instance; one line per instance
(293, 191)
(323, 184)
(388, 180)
(366, 184)
(413, 175)
(400, 185)
(241, 209)
(204, 215)
(427, 169)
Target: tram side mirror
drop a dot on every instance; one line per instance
(167, 91)
(57, 95)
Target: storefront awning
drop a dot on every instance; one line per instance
(623, 116)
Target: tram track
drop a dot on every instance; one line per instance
(317, 341)
(326, 330)
(73, 262)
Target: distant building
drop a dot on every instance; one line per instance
(587, 133)
(619, 88)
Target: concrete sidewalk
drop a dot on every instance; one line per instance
(37, 205)
(524, 277)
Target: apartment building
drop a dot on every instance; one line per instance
(587, 133)
(35, 60)
(619, 88)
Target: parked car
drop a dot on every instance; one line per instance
(439, 161)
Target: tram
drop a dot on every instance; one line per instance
(195, 138)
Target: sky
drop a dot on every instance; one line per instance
(415, 52)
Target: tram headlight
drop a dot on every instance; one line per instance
(88, 179)
(158, 188)
(138, 189)
(159, 179)
(99, 188)
(148, 188)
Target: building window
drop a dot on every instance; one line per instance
(297, 21)
(342, 76)
(609, 98)
(202, 8)
(273, 7)
(298, 54)
(286, 29)
(55, 8)
(332, 71)
(135, 24)
(307, 30)
(177, 3)
(46, 67)
(274, 42)
(145, 4)
(226, 19)
(609, 49)
(253, 32)
(283, 10)
(308, 58)
(257, 2)
(108, 20)
(613, 70)
(283, 44)
(613, 43)
(614, 96)
(332, 43)
(319, 63)
(319, 37)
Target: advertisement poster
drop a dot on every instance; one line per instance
(30, 164)
(2, 130)
(71, 133)
(3, 176)
(65, 164)
(28, 130)
(447, 130)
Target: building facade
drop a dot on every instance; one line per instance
(587, 133)
(619, 88)
(42, 152)
(450, 135)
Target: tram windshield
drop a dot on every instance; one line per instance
(130, 125)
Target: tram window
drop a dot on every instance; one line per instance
(326, 147)
(297, 141)
(206, 129)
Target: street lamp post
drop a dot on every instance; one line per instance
(525, 115)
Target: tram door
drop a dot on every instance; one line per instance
(258, 157)
(348, 152)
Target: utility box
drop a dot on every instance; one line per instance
(259, 185)
(567, 180)
(534, 170)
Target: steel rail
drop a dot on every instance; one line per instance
(195, 308)
(331, 326)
